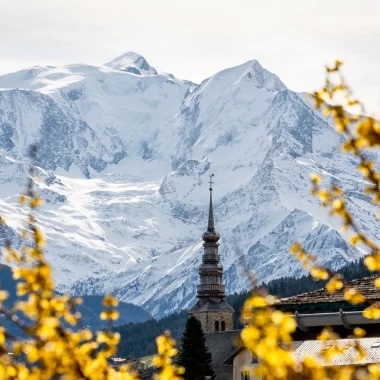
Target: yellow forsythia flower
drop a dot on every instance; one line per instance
(3, 295)
(372, 312)
(110, 301)
(372, 262)
(109, 314)
(359, 332)
(334, 284)
(353, 296)
(319, 273)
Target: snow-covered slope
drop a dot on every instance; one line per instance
(124, 156)
(132, 62)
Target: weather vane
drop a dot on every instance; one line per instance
(211, 182)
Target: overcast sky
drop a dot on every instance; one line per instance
(194, 39)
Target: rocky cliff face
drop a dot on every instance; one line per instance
(124, 157)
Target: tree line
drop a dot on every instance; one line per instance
(138, 339)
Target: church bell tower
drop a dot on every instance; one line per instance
(214, 313)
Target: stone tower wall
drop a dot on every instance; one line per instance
(209, 318)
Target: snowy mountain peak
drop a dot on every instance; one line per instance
(132, 62)
(124, 158)
(241, 78)
(263, 77)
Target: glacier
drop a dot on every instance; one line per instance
(124, 156)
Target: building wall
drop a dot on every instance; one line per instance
(209, 318)
(243, 361)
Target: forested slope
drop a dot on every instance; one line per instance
(138, 339)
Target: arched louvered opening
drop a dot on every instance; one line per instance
(223, 326)
(216, 325)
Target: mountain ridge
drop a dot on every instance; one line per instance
(124, 162)
(90, 309)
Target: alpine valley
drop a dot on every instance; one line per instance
(124, 157)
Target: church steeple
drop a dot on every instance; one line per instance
(211, 270)
(212, 310)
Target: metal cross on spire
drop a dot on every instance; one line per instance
(211, 182)
(210, 226)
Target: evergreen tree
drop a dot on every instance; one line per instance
(138, 339)
(193, 354)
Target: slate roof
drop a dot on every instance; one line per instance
(222, 345)
(210, 305)
(365, 286)
(350, 356)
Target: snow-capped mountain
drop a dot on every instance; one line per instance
(124, 156)
(132, 63)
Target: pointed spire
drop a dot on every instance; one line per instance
(211, 308)
(211, 226)
(211, 236)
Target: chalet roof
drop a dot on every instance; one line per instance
(222, 345)
(209, 305)
(365, 286)
(312, 348)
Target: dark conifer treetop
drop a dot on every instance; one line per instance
(193, 354)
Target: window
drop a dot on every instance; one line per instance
(216, 325)
(245, 375)
(223, 326)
